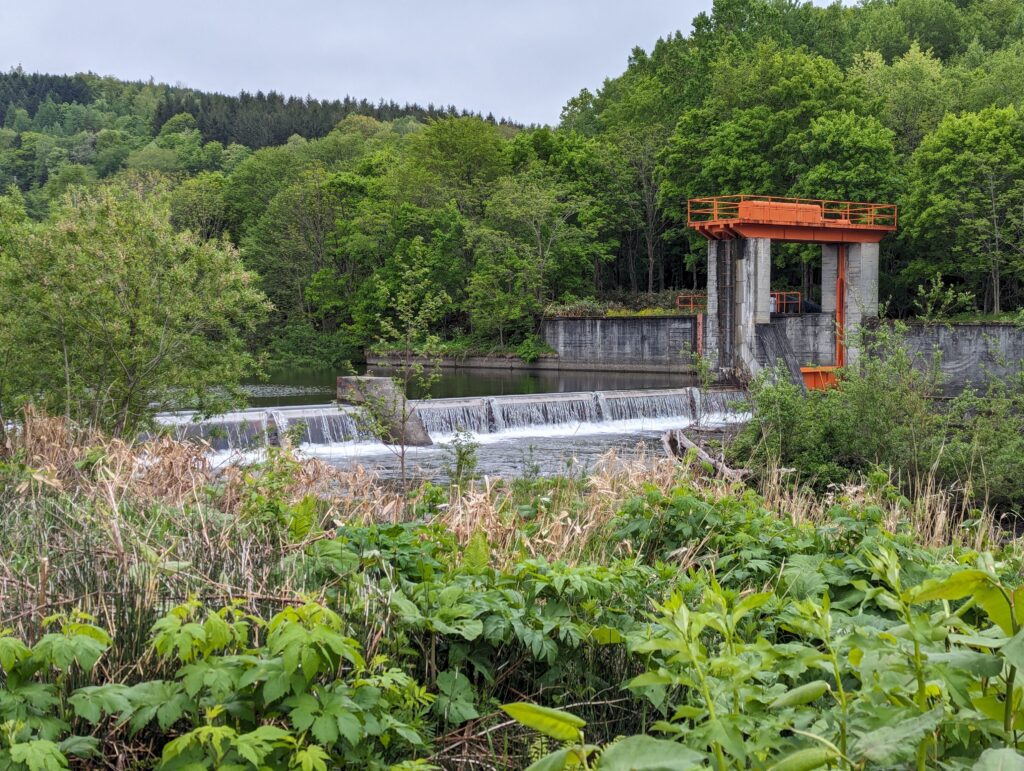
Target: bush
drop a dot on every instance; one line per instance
(885, 412)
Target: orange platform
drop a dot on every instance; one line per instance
(806, 220)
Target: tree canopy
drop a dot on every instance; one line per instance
(915, 102)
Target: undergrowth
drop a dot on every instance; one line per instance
(288, 615)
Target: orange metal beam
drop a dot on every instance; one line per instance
(807, 220)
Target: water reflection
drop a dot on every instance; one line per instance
(295, 387)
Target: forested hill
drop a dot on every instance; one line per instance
(352, 225)
(253, 120)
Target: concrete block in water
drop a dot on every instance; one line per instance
(387, 405)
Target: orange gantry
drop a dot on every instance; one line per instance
(806, 220)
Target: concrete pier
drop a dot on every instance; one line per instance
(389, 412)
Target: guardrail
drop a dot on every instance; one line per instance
(791, 211)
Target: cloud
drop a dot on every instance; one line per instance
(521, 60)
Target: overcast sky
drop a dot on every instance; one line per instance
(517, 58)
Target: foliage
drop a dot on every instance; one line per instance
(109, 315)
(691, 625)
(967, 199)
(937, 301)
(301, 697)
(911, 101)
(968, 443)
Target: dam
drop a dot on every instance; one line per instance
(549, 429)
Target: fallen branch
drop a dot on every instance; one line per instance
(676, 443)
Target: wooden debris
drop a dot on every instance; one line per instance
(677, 443)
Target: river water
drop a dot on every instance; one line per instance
(285, 388)
(521, 422)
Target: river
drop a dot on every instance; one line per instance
(521, 421)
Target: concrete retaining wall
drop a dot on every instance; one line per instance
(970, 353)
(657, 343)
(811, 337)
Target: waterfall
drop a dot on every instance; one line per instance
(447, 416)
(634, 405)
(546, 409)
(327, 424)
(330, 424)
(226, 432)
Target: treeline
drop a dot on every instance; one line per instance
(57, 130)
(260, 120)
(918, 102)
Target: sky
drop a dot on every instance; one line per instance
(521, 59)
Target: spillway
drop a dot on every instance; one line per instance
(485, 418)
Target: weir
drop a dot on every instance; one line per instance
(333, 424)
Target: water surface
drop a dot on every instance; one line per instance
(291, 387)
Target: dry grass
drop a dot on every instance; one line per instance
(122, 530)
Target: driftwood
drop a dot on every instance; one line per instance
(677, 443)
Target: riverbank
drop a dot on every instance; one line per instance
(140, 590)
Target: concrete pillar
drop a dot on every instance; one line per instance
(711, 344)
(753, 299)
(865, 290)
(829, 273)
(759, 252)
(861, 293)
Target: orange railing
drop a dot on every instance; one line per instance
(797, 211)
(787, 302)
(692, 302)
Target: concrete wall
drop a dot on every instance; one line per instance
(656, 343)
(970, 353)
(810, 336)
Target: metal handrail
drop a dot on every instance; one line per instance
(787, 302)
(727, 207)
(691, 302)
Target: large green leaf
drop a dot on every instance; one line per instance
(645, 753)
(980, 664)
(1013, 651)
(1003, 759)
(804, 760)
(557, 761)
(891, 743)
(551, 722)
(39, 755)
(955, 587)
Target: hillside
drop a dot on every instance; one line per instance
(334, 203)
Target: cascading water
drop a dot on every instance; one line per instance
(447, 416)
(516, 412)
(634, 405)
(334, 426)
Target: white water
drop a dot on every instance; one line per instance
(545, 431)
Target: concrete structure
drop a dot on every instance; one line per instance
(811, 336)
(968, 355)
(654, 343)
(740, 230)
(390, 414)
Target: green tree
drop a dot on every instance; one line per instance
(110, 315)
(501, 295)
(551, 225)
(466, 155)
(848, 157)
(197, 204)
(965, 207)
(910, 96)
